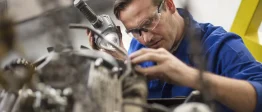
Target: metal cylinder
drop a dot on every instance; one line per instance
(88, 12)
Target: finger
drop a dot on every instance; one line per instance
(89, 35)
(90, 40)
(149, 71)
(142, 51)
(149, 56)
(87, 32)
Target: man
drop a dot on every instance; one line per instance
(160, 32)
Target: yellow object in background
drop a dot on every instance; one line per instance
(246, 24)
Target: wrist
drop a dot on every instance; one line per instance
(191, 77)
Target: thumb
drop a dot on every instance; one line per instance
(91, 40)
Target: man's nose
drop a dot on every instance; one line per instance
(147, 36)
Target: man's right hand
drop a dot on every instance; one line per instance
(92, 40)
(115, 54)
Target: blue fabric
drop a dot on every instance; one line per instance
(225, 53)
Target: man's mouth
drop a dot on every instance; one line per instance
(154, 45)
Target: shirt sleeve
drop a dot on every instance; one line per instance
(258, 88)
(233, 60)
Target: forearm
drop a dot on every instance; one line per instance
(238, 95)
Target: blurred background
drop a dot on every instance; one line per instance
(32, 39)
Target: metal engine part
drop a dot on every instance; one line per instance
(82, 81)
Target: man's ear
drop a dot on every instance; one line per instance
(170, 6)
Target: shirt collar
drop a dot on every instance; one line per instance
(190, 24)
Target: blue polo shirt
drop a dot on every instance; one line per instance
(226, 55)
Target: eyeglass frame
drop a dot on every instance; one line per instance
(140, 29)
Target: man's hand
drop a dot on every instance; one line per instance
(168, 68)
(231, 92)
(117, 55)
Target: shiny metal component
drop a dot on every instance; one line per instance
(88, 12)
(192, 107)
(98, 62)
(103, 24)
(110, 33)
(38, 99)
(115, 70)
(52, 94)
(67, 91)
(93, 83)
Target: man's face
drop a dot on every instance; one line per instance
(140, 13)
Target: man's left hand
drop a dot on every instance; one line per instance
(168, 68)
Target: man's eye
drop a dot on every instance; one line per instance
(147, 23)
(136, 31)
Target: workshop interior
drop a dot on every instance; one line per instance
(48, 65)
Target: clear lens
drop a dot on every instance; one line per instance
(156, 21)
(146, 25)
(151, 22)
